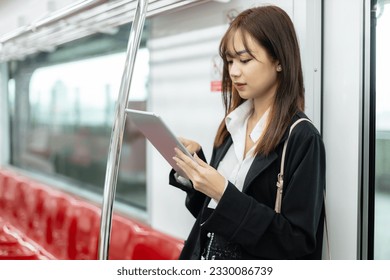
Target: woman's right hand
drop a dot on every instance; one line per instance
(192, 146)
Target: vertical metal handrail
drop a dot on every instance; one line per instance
(118, 130)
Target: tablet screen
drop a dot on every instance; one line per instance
(158, 133)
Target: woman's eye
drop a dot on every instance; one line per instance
(245, 60)
(230, 61)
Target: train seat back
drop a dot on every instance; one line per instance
(51, 224)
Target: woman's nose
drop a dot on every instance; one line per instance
(235, 70)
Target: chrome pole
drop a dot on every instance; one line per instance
(118, 130)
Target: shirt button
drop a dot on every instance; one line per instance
(209, 235)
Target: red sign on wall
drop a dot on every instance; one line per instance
(216, 86)
(216, 74)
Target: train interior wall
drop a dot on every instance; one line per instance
(183, 49)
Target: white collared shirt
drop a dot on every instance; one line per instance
(235, 165)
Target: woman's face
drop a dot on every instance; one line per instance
(252, 77)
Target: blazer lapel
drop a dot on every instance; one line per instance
(214, 162)
(221, 152)
(259, 164)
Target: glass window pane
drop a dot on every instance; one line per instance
(62, 116)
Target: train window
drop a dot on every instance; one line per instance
(63, 115)
(382, 172)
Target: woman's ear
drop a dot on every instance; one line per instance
(278, 66)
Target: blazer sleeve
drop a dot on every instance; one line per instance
(258, 228)
(194, 199)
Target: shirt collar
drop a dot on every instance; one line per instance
(259, 127)
(236, 124)
(236, 118)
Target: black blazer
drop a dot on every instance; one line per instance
(248, 217)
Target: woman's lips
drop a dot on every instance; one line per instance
(239, 86)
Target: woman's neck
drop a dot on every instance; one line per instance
(260, 106)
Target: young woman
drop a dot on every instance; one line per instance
(233, 197)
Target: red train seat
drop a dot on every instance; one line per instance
(39, 222)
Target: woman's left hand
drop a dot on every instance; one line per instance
(204, 177)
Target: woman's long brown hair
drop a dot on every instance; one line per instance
(272, 29)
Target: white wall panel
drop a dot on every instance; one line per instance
(307, 20)
(343, 62)
(4, 121)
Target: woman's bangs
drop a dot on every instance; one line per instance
(244, 38)
(227, 44)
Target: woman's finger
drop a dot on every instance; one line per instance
(200, 161)
(183, 166)
(179, 153)
(186, 159)
(184, 141)
(190, 145)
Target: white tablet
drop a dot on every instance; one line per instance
(158, 133)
